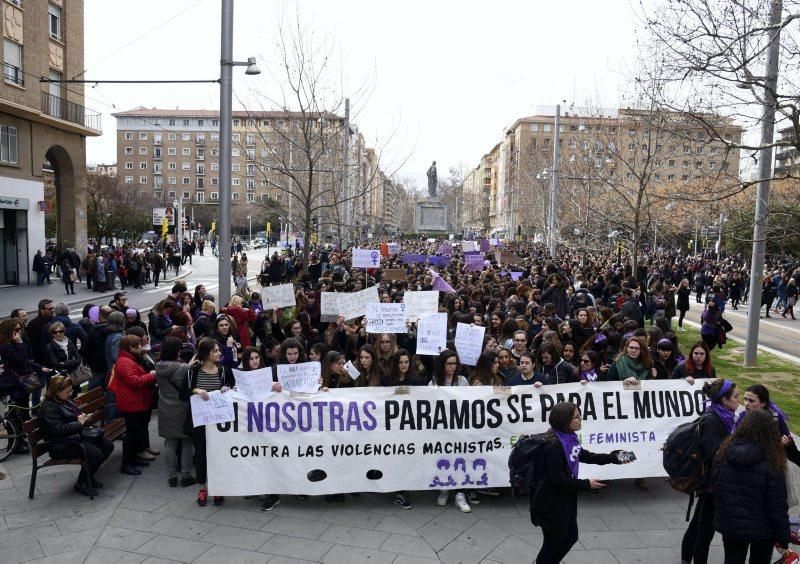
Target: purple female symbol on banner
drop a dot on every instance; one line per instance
(374, 256)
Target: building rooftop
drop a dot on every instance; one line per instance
(179, 113)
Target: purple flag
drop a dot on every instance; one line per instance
(440, 283)
(485, 245)
(410, 258)
(446, 249)
(438, 261)
(516, 276)
(473, 262)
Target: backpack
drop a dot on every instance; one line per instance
(524, 463)
(684, 461)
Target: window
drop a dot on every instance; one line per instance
(214, 196)
(156, 168)
(185, 180)
(672, 162)
(200, 197)
(235, 182)
(726, 166)
(236, 138)
(186, 195)
(215, 181)
(143, 165)
(534, 127)
(128, 150)
(171, 122)
(172, 180)
(612, 146)
(201, 169)
(215, 123)
(251, 197)
(157, 138)
(237, 123)
(185, 137)
(657, 176)
(186, 151)
(251, 184)
(687, 150)
(12, 62)
(172, 166)
(265, 122)
(236, 167)
(200, 138)
(172, 151)
(685, 164)
(631, 132)
(685, 177)
(250, 123)
(143, 151)
(129, 166)
(214, 167)
(629, 176)
(171, 136)
(714, 150)
(547, 127)
(142, 180)
(699, 150)
(671, 177)
(250, 139)
(201, 183)
(200, 122)
(236, 195)
(185, 122)
(142, 136)
(201, 154)
(214, 152)
(265, 152)
(128, 136)
(171, 195)
(54, 19)
(251, 154)
(712, 165)
(186, 166)
(129, 180)
(251, 169)
(157, 153)
(235, 152)
(215, 136)
(631, 146)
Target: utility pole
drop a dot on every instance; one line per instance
(345, 211)
(225, 123)
(551, 220)
(762, 195)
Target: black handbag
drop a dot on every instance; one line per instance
(92, 435)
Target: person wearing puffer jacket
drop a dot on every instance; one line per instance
(133, 387)
(749, 480)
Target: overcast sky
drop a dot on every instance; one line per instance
(429, 80)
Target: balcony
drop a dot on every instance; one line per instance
(200, 157)
(157, 142)
(200, 142)
(61, 108)
(13, 74)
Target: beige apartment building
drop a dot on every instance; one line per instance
(597, 150)
(174, 155)
(43, 127)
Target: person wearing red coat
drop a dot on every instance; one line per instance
(242, 316)
(133, 387)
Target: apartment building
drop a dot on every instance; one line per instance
(43, 127)
(174, 155)
(597, 148)
(787, 158)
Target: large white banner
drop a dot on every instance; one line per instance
(430, 438)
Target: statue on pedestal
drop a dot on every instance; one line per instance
(432, 180)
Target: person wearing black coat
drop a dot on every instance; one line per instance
(715, 426)
(749, 479)
(61, 424)
(554, 501)
(682, 304)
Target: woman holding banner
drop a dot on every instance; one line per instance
(698, 365)
(554, 503)
(402, 371)
(715, 426)
(206, 374)
(368, 365)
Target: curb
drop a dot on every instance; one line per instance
(770, 350)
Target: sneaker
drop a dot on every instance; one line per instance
(401, 500)
(472, 496)
(489, 491)
(444, 495)
(202, 497)
(461, 503)
(271, 503)
(219, 500)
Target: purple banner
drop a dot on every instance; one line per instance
(446, 249)
(473, 262)
(438, 261)
(410, 258)
(516, 276)
(485, 245)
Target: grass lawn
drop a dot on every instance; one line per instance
(782, 378)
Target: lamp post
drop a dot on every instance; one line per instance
(226, 64)
(178, 226)
(249, 228)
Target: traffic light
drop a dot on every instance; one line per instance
(314, 222)
(213, 226)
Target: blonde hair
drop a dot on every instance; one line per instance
(57, 384)
(235, 301)
(208, 306)
(55, 326)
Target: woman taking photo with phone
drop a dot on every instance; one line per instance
(554, 502)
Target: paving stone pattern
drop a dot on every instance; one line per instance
(142, 519)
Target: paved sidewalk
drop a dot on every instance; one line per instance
(142, 519)
(28, 296)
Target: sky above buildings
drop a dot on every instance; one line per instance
(437, 80)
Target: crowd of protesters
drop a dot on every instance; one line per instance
(583, 317)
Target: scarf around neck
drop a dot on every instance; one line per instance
(629, 368)
(572, 450)
(590, 375)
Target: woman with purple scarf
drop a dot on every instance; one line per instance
(716, 424)
(554, 503)
(757, 397)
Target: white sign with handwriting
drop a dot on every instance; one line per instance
(217, 409)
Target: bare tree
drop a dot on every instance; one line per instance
(113, 210)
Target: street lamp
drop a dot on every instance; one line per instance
(225, 118)
(249, 228)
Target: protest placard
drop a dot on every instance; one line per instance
(508, 258)
(516, 276)
(484, 248)
(253, 384)
(420, 304)
(473, 262)
(432, 334)
(394, 248)
(300, 377)
(366, 258)
(329, 306)
(468, 246)
(469, 343)
(352, 370)
(274, 297)
(439, 261)
(411, 258)
(446, 249)
(394, 274)
(386, 318)
(217, 409)
(354, 304)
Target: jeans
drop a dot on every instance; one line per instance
(178, 454)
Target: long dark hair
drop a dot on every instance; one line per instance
(291, 343)
(411, 376)
(561, 417)
(373, 375)
(482, 376)
(327, 377)
(758, 428)
(248, 352)
(439, 367)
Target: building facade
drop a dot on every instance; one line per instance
(174, 155)
(43, 128)
(598, 149)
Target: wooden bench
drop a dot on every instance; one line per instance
(91, 403)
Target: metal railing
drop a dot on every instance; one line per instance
(62, 108)
(13, 74)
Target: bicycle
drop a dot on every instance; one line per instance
(11, 432)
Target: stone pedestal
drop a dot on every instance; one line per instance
(430, 215)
